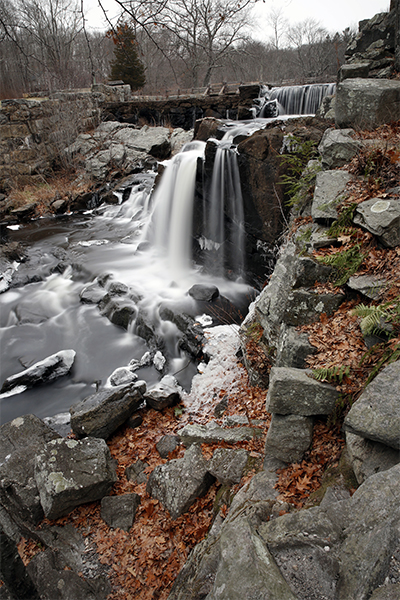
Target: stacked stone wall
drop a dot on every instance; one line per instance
(34, 131)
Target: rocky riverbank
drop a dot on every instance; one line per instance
(233, 456)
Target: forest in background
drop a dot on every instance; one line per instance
(48, 45)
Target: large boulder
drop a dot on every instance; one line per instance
(367, 103)
(123, 146)
(20, 440)
(192, 340)
(269, 308)
(294, 391)
(368, 457)
(337, 147)
(46, 370)
(72, 472)
(100, 414)
(376, 414)
(13, 572)
(179, 482)
(371, 535)
(55, 583)
(382, 218)
(293, 348)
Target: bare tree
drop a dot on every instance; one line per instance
(313, 48)
(279, 25)
(45, 46)
(201, 32)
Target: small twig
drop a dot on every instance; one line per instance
(281, 207)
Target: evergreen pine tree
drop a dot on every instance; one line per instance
(126, 64)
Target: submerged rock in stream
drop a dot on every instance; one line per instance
(44, 371)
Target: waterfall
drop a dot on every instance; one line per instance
(129, 265)
(224, 223)
(222, 236)
(173, 208)
(294, 100)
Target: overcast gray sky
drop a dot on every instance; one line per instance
(334, 16)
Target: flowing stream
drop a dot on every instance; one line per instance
(144, 243)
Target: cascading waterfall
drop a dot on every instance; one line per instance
(143, 247)
(173, 208)
(224, 223)
(294, 100)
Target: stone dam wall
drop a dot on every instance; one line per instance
(35, 131)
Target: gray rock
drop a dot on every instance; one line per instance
(71, 472)
(382, 218)
(376, 414)
(20, 440)
(292, 391)
(309, 271)
(288, 437)
(249, 574)
(354, 70)
(120, 310)
(253, 503)
(69, 549)
(210, 433)
(227, 465)
(303, 306)
(367, 103)
(13, 573)
(60, 584)
(61, 423)
(293, 348)
(135, 472)
(51, 368)
(122, 376)
(269, 307)
(92, 294)
(369, 285)
(167, 444)
(179, 482)
(232, 420)
(192, 332)
(100, 414)
(206, 293)
(99, 164)
(120, 511)
(159, 361)
(257, 498)
(163, 394)
(301, 544)
(337, 147)
(221, 407)
(134, 421)
(195, 579)
(371, 535)
(330, 189)
(387, 592)
(320, 238)
(368, 458)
